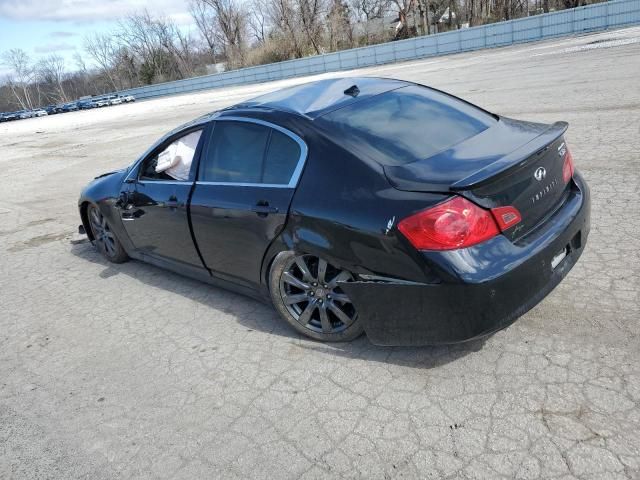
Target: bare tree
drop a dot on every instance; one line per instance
(231, 28)
(102, 48)
(177, 44)
(137, 32)
(371, 9)
(339, 26)
(22, 78)
(284, 15)
(404, 8)
(51, 70)
(204, 18)
(369, 15)
(423, 10)
(310, 17)
(259, 20)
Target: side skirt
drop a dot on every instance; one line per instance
(200, 274)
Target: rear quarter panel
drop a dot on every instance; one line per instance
(345, 210)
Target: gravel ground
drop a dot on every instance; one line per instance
(128, 371)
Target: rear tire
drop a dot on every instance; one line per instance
(104, 238)
(305, 292)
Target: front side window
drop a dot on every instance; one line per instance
(174, 161)
(245, 152)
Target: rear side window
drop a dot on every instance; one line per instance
(244, 152)
(281, 159)
(405, 125)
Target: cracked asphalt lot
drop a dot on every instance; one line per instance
(127, 371)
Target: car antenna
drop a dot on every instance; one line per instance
(352, 91)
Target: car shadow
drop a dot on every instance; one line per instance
(255, 315)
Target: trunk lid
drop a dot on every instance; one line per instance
(513, 163)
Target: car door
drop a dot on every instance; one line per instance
(247, 176)
(154, 201)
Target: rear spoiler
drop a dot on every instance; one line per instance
(513, 160)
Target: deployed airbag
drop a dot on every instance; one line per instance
(175, 160)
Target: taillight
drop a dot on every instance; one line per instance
(567, 168)
(506, 217)
(456, 223)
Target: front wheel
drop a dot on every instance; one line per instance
(306, 292)
(104, 238)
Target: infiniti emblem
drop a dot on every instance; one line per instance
(540, 173)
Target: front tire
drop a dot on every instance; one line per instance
(103, 237)
(304, 290)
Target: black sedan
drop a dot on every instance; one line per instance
(356, 204)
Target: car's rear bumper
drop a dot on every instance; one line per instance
(487, 286)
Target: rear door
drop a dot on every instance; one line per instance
(246, 179)
(154, 201)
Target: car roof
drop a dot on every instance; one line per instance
(315, 99)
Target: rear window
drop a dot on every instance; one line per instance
(405, 125)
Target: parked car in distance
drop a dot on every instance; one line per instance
(85, 104)
(40, 113)
(128, 98)
(101, 102)
(356, 205)
(9, 116)
(22, 114)
(53, 109)
(3, 117)
(70, 107)
(115, 100)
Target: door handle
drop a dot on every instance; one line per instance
(172, 202)
(262, 209)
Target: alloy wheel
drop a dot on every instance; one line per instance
(310, 291)
(102, 233)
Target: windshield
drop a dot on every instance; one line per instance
(405, 125)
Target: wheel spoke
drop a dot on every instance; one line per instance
(322, 270)
(302, 265)
(95, 219)
(340, 297)
(343, 317)
(343, 276)
(295, 298)
(324, 320)
(108, 247)
(305, 316)
(291, 280)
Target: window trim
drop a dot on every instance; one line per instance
(297, 171)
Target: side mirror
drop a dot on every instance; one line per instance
(123, 200)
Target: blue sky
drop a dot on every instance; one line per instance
(43, 27)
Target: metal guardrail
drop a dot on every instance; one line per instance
(590, 18)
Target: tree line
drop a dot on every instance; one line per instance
(144, 49)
